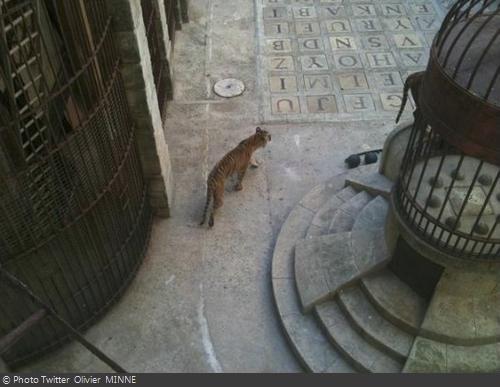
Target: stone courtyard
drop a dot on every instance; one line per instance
(325, 78)
(341, 60)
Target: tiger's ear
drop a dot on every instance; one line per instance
(258, 130)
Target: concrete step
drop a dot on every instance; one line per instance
(344, 218)
(322, 218)
(374, 183)
(360, 353)
(365, 318)
(379, 332)
(373, 215)
(449, 318)
(431, 356)
(326, 264)
(395, 300)
(305, 336)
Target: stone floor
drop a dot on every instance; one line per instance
(202, 299)
(341, 60)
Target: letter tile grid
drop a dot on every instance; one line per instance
(337, 60)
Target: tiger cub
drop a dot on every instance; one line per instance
(412, 84)
(236, 161)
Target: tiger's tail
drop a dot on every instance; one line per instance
(207, 204)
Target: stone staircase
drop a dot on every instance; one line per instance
(343, 310)
(345, 327)
(346, 321)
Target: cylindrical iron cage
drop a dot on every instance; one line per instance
(448, 191)
(74, 219)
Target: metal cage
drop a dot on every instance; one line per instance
(159, 62)
(448, 190)
(74, 219)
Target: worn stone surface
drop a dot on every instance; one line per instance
(202, 300)
(325, 264)
(360, 353)
(344, 218)
(369, 250)
(374, 183)
(464, 308)
(315, 349)
(346, 194)
(324, 216)
(321, 193)
(294, 228)
(137, 73)
(395, 300)
(426, 356)
(322, 266)
(373, 215)
(432, 356)
(374, 328)
(394, 148)
(304, 335)
(336, 61)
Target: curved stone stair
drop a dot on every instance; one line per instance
(344, 218)
(305, 336)
(323, 217)
(343, 310)
(395, 300)
(360, 353)
(374, 328)
(353, 325)
(346, 332)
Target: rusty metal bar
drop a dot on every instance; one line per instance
(12, 337)
(15, 283)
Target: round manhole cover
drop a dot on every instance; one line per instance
(229, 87)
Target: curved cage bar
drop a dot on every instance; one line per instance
(468, 47)
(463, 74)
(451, 200)
(448, 191)
(74, 219)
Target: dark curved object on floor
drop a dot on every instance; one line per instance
(354, 160)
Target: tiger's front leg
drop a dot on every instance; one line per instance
(241, 175)
(253, 162)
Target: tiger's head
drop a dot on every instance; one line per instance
(262, 137)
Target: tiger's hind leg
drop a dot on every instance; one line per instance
(218, 201)
(241, 175)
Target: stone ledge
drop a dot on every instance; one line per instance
(362, 355)
(306, 339)
(346, 215)
(321, 221)
(373, 183)
(293, 229)
(465, 309)
(432, 356)
(395, 300)
(325, 264)
(322, 192)
(373, 215)
(368, 322)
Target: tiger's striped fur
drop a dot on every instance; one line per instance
(412, 84)
(236, 161)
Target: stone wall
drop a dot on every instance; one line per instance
(130, 37)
